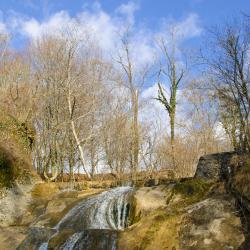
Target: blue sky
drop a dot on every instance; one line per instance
(149, 13)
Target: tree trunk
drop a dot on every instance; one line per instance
(135, 133)
(79, 149)
(172, 136)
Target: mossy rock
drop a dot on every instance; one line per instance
(239, 182)
(9, 170)
(15, 151)
(7, 173)
(192, 190)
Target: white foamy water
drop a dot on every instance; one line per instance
(71, 241)
(107, 210)
(44, 246)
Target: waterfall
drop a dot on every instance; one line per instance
(70, 243)
(96, 219)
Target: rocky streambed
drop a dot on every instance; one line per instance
(38, 209)
(205, 212)
(192, 214)
(68, 219)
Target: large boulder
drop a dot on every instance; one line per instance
(215, 166)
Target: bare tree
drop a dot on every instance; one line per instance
(228, 61)
(62, 68)
(133, 80)
(171, 69)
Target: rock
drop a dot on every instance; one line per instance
(86, 239)
(148, 199)
(35, 238)
(151, 182)
(215, 166)
(96, 239)
(187, 215)
(211, 224)
(239, 181)
(57, 205)
(27, 219)
(11, 237)
(13, 206)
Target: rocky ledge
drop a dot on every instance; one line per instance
(209, 211)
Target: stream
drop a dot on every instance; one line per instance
(92, 224)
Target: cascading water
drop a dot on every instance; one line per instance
(94, 222)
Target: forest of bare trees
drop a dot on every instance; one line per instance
(83, 109)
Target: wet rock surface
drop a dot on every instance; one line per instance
(10, 237)
(36, 236)
(14, 204)
(91, 239)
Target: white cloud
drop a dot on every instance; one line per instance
(189, 27)
(219, 131)
(2, 28)
(104, 28)
(128, 11)
(32, 28)
(101, 26)
(180, 31)
(153, 111)
(56, 23)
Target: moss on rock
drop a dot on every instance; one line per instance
(15, 145)
(192, 190)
